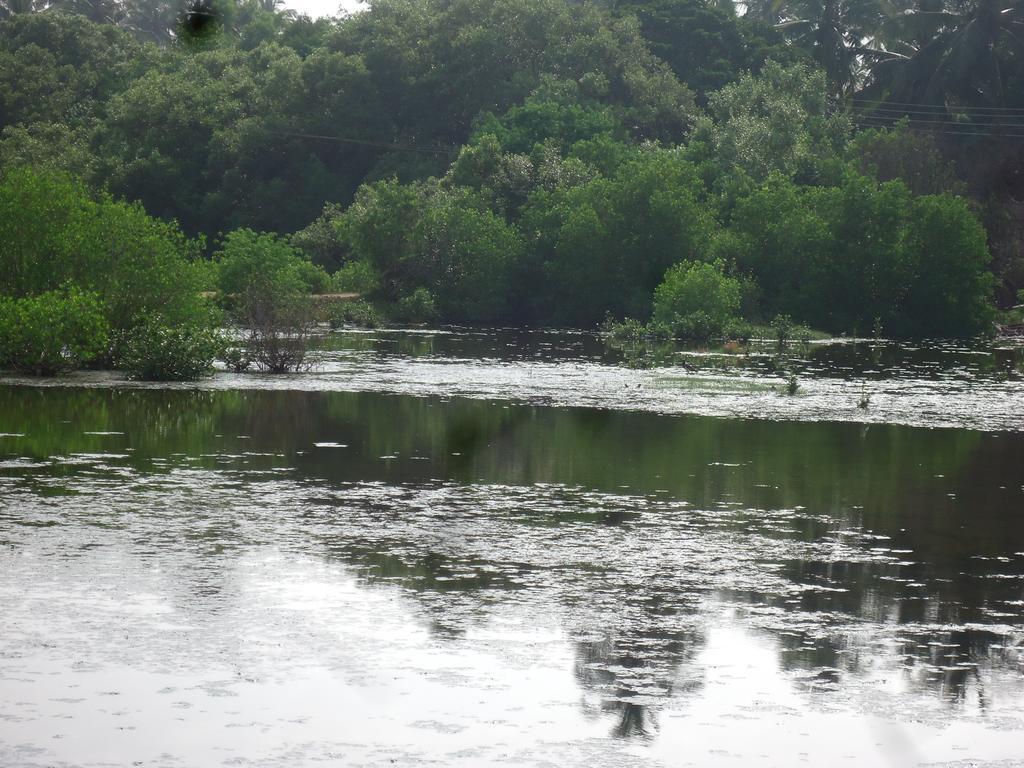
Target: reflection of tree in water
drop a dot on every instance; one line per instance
(630, 676)
(963, 666)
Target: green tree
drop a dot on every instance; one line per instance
(246, 257)
(778, 121)
(707, 45)
(604, 245)
(846, 257)
(443, 240)
(697, 300)
(53, 232)
(52, 332)
(954, 56)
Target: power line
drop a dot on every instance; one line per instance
(953, 123)
(894, 112)
(447, 151)
(882, 103)
(989, 134)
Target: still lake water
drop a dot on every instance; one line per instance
(474, 549)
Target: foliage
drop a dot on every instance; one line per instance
(236, 358)
(778, 121)
(707, 46)
(417, 307)
(246, 258)
(319, 240)
(604, 245)
(267, 284)
(279, 328)
(697, 300)
(442, 240)
(912, 156)
(53, 232)
(53, 332)
(155, 351)
(356, 277)
(557, 113)
(525, 161)
(955, 55)
(839, 257)
(360, 313)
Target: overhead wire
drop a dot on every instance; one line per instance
(447, 151)
(885, 103)
(1002, 122)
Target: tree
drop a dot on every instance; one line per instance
(838, 34)
(604, 245)
(706, 45)
(445, 241)
(954, 56)
(11, 8)
(267, 286)
(53, 332)
(697, 300)
(778, 121)
(847, 257)
(53, 233)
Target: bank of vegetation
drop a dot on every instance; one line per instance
(696, 168)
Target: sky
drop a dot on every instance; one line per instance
(323, 7)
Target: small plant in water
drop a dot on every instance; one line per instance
(865, 398)
(782, 327)
(792, 384)
(236, 359)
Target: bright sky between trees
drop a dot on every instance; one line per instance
(316, 8)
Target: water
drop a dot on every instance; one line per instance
(933, 384)
(339, 568)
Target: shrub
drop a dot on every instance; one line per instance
(356, 277)
(155, 351)
(629, 330)
(844, 257)
(53, 332)
(417, 307)
(236, 359)
(246, 257)
(269, 284)
(54, 232)
(697, 300)
(359, 312)
(280, 328)
(737, 330)
(782, 329)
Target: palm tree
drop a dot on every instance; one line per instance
(11, 8)
(152, 20)
(839, 35)
(99, 11)
(966, 55)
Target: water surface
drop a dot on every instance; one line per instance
(930, 384)
(288, 575)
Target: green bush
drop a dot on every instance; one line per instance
(53, 332)
(697, 300)
(155, 351)
(356, 277)
(55, 232)
(268, 284)
(445, 241)
(236, 359)
(603, 246)
(417, 307)
(361, 313)
(246, 257)
(846, 257)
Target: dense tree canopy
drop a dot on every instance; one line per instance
(525, 160)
